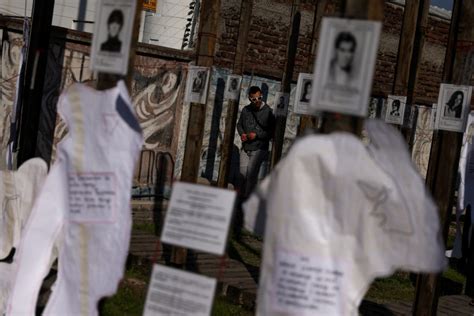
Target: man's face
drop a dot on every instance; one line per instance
(256, 99)
(345, 55)
(114, 29)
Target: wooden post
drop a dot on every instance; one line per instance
(308, 122)
(233, 105)
(445, 151)
(280, 121)
(36, 60)
(207, 37)
(355, 9)
(412, 39)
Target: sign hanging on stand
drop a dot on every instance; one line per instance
(453, 107)
(303, 94)
(345, 65)
(112, 36)
(280, 107)
(395, 111)
(232, 87)
(176, 292)
(197, 85)
(198, 217)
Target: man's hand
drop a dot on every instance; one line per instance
(243, 137)
(252, 135)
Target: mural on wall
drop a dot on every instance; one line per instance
(422, 142)
(157, 94)
(11, 53)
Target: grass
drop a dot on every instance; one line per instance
(397, 287)
(130, 298)
(144, 227)
(223, 307)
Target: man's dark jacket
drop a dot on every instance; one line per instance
(260, 121)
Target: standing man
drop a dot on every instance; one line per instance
(255, 127)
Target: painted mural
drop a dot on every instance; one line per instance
(11, 53)
(422, 142)
(157, 94)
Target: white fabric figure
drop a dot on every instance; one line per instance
(18, 190)
(86, 202)
(466, 184)
(339, 215)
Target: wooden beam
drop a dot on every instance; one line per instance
(35, 73)
(207, 37)
(280, 121)
(308, 122)
(410, 50)
(445, 151)
(233, 105)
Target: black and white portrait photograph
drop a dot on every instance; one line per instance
(232, 87)
(453, 107)
(197, 85)
(395, 112)
(344, 71)
(112, 36)
(280, 107)
(304, 88)
(375, 109)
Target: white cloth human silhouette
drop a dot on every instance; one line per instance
(340, 214)
(86, 202)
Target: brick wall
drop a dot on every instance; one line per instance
(269, 31)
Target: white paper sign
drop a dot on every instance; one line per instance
(198, 217)
(453, 107)
(345, 65)
(232, 87)
(280, 107)
(395, 109)
(112, 35)
(92, 197)
(304, 89)
(177, 292)
(306, 285)
(197, 85)
(376, 107)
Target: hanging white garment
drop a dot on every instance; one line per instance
(18, 190)
(339, 215)
(86, 202)
(466, 184)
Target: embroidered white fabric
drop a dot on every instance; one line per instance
(86, 202)
(18, 190)
(340, 214)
